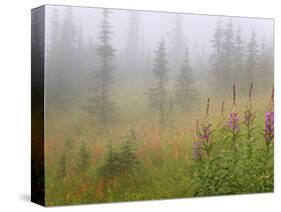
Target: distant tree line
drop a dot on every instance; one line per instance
(77, 66)
(240, 62)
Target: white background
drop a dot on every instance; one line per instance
(15, 104)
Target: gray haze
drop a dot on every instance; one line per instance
(136, 35)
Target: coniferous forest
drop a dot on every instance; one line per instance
(144, 105)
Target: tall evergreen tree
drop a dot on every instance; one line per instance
(251, 61)
(100, 103)
(216, 57)
(185, 93)
(62, 166)
(83, 159)
(265, 68)
(228, 55)
(238, 62)
(158, 93)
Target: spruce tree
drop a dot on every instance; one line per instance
(238, 62)
(216, 57)
(111, 166)
(228, 56)
(158, 93)
(185, 93)
(251, 61)
(265, 68)
(128, 156)
(100, 103)
(83, 159)
(62, 166)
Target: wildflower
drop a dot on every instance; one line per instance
(197, 145)
(249, 114)
(269, 127)
(197, 150)
(233, 120)
(222, 118)
(205, 132)
(205, 128)
(249, 117)
(203, 136)
(269, 122)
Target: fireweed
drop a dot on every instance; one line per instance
(222, 120)
(204, 132)
(231, 167)
(203, 136)
(233, 119)
(249, 117)
(197, 145)
(249, 114)
(269, 122)
(268, 172)
(204, 172)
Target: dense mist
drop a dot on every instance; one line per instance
(149, 105)
(72, 35)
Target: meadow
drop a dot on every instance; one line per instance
(218, 148)
(140, 105)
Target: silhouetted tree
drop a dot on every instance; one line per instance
(100, 103)
(251, 61)
(111, 166)
(158, 93)
(238, 62)
(83, 158)
(128, 156)
(185, 92)
(265, 66)
(228, 56)
(62, 166)
(217, 57)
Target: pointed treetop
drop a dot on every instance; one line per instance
(250, 92)
(234, 96)
(208, 107)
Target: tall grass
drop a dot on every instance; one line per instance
(226, 150)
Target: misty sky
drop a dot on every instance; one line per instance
(154, 26)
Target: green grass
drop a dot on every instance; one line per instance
(165, 168)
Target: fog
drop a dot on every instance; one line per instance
(135, 37)
(154, 26)
(137, 105)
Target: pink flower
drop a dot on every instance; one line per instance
(269, 127)
(197, 150)
(233, 121)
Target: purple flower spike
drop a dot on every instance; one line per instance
(269, 127)
(197, 150)
(233, 121)
(205, 132)
(249, 117)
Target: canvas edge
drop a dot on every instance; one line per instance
(37, 105)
